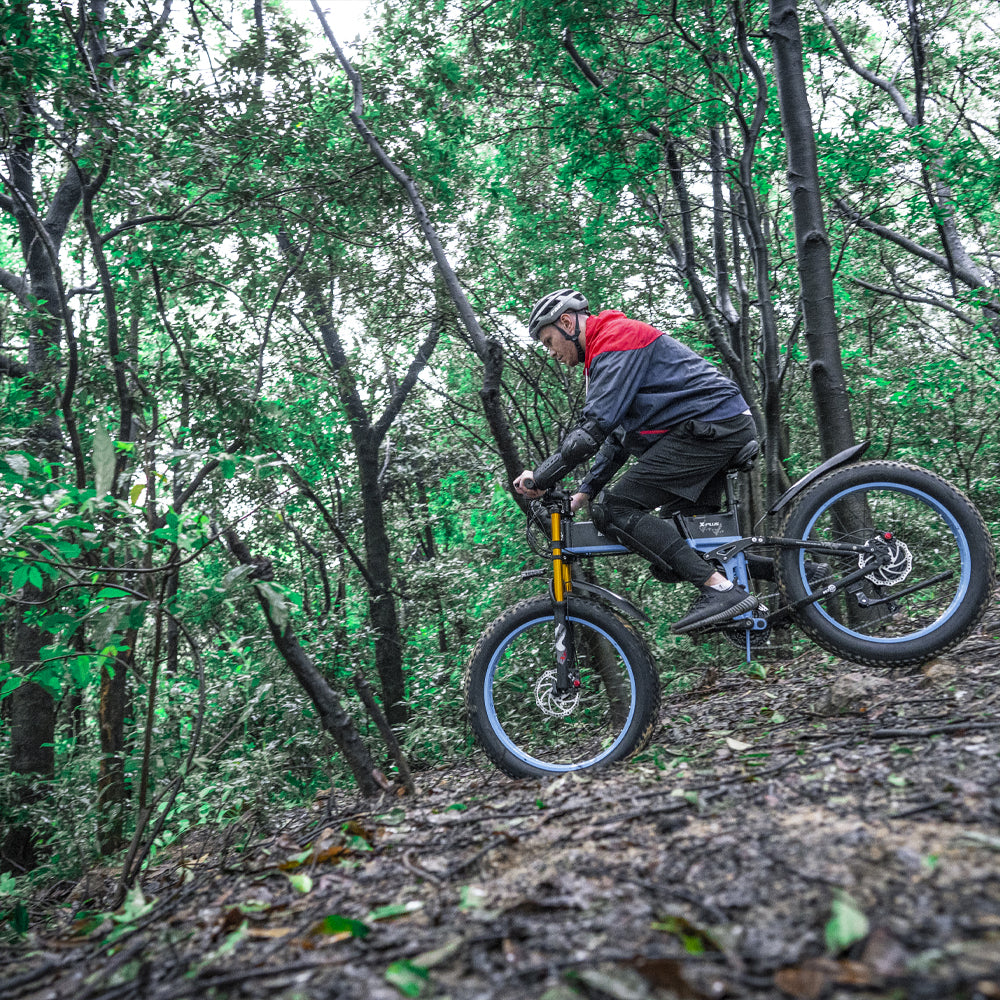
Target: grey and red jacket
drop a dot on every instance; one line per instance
(641, 383)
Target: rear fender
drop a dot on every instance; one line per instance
(841, 458)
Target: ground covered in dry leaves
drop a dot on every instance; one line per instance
(826, 832)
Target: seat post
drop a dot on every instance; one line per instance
(731, 495)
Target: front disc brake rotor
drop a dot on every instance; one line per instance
(550, 701)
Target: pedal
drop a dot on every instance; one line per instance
(532, 574)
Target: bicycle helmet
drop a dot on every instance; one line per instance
(550, 307)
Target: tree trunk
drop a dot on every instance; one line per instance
(111, 777)
(331, 712)
(812, 244)
(32, 729)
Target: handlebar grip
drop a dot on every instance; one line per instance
(528, 484)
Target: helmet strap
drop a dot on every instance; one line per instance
(574, 337)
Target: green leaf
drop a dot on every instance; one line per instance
(10, 685)
(471, 897)
(104, 461)
(337, 924)
(18, 918)
(19, 463)
(408, 978)
(277, 606)
(394, 910)
(847, 924)
(301, 882)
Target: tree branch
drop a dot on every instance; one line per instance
(939, 260)
(119, 55)
(16, 285)
(417, 365)
(483, 347)
(430, 234)
(331, 523)
(13, 368)
(866, 74)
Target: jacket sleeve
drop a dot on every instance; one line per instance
(610, 458)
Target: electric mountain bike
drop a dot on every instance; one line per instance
(881, 563)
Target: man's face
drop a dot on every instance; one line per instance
(559, 348)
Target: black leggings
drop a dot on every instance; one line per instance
(684, 472)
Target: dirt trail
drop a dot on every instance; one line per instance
(826, 832)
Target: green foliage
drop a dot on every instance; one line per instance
(222, 381)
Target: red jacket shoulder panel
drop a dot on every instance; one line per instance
(614, 331)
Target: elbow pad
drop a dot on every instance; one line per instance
(550, 471)
(577, 446)
(581, 443)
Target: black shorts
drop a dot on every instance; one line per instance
(686, 469)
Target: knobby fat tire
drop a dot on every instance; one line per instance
(645, 679)
(946, 633)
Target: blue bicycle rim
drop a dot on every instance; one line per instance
(957, 532)
(502, 735)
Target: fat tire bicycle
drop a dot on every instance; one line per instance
(879, 562)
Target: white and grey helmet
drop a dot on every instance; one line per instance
(550, 307)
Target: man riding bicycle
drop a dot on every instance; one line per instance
(651, 397)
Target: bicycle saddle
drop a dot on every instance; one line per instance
(743, 460)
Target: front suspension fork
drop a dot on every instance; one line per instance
(565, 648)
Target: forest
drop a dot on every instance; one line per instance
(266, 379)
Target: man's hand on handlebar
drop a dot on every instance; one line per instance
(525, 485)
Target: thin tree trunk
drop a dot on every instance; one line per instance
(331, 712)
(812, 244)
(32, 728)
(111, 776)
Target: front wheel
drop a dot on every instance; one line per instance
(929, 557)
(526, 726)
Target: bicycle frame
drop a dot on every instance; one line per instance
(718, 537)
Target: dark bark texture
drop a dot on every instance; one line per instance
(812, 244)
(334, 718)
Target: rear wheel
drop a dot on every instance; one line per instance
(526, 726)
(930, 557)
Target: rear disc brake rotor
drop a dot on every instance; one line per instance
(896, 568)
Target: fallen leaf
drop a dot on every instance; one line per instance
(884, 955)
(301, 882)
(394, 910)
(808, 980)
(668, 974)
(846, 925)
(340, 927)
(269, 932)
(330, 855)
(408, 978)
(428, 959)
